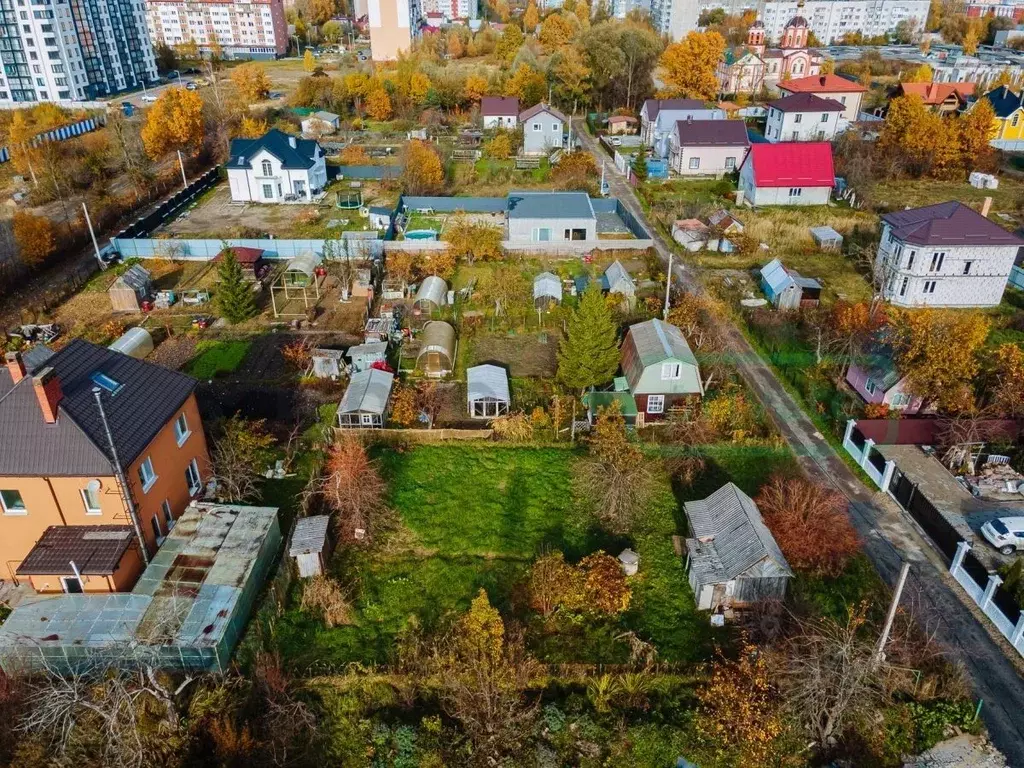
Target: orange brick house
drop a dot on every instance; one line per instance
(59, 453)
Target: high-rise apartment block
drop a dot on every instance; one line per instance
(393, 25)
(73, 50)
(244, 29)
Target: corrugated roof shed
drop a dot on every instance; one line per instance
(136, 278)
(310, 535)
(95, 549)
(368, 392)
(776, 276)
(728, 536)
(656, 341)
(487, 382)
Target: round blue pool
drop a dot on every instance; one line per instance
(421, 234)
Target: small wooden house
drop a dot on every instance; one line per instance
(311, 545)
(660, 368)
(788, 289)
(619, 281)
(732, 558)
(251, 260)
(827, 238)
(129, 290)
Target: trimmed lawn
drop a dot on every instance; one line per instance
(476, 516)
(215, 358)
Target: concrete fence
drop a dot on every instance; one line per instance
(185, 249)
(863, 452)
(983, 596)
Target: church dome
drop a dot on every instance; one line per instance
(797, 21)
(757, 25)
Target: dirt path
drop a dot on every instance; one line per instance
(889, 535)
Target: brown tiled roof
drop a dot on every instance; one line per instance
(712, 133)
(499, 106)
(806, 102)
(951, 223)
(95, 549)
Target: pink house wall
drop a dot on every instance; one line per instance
(858, 379)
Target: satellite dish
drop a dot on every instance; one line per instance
(93, 486)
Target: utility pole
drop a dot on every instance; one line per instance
(92, 234)
(181, 164)
(900, 582)
(668, 286)
(126, 492)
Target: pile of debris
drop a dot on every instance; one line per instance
(997, 481)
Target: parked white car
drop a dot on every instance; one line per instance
(1005, 534)
(149, 99)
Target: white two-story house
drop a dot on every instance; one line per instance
(544, 129)
(276, 168)
(944, 255)
(802, 117)
(658, 117)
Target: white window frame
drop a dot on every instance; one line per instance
(796, 191)
(694, 163)
(193, 470)
(64, 585)
(268, 187)
(929, 286)
(147, 474)
(655, 404)
(967, 267)
(537, 127)
(556, 127)
(165, 507)
(536, 234)
(267, 168)
(158, 530)
(13, 511)
(824, 117)
(90, 510)
(181, 433)
(869, 386)
(798, 118)
(671, 371)
(903, 287)
(730, 163)
(366, 419)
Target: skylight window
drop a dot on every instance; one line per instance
(105, 382)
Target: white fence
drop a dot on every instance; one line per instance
(576, 247)
(862, 455)
(983, 597)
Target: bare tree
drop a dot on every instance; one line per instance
(353, 488)
(239, 458)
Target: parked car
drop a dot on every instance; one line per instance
(149, 99)
(616, 141)
(191, 87)
(1005, 534)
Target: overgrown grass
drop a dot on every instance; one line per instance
(898, 194)
(215, 358)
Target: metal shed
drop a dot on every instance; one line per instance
(488, 395)
(733, 559)
(431, 293)
(827, 238)
(436, 357)
(366, 401)
(328, 363)
(547, 288)
(788, 289)
(365, 355)
(311, 545)
(619, 281)
(130, 289)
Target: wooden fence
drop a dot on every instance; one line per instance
(419, 435)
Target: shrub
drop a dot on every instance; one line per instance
(810, 524)
(323, 597)
(514, 428)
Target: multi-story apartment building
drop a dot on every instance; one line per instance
(829, 20)
(944, 255)
(621, 8)
(73, 50)
(453, 9)
(1007, 9)
(675, 18)
(244, 29)
(393, 25)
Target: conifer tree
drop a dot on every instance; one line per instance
(588, 356)
(234, 294)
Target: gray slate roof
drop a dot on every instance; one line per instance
(728, 536)
(550, 205)
(310, 535)
(542, 107)
(276, 143)
(657, 341)
(487, 382)
(368, 392)
(76, 445)
(547, 284)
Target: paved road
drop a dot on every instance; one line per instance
(889, 535)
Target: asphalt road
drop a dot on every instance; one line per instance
(889, 535)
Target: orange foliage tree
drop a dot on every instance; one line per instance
(34, 235)
(354, 489)
(810, 524)
(252, 81)
(378, 104)
(423, 174)
(174, 122)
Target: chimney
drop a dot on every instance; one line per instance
(48, 393)
(822, 80)
(986, 207)
(15, 365)
(1006, 91)
(291, 142)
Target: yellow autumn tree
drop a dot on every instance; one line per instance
(971, 40)
(34, 236)
(308, 61)
(252, 81)
(476, 88)
(251, 128)
(419, 87)
(557, 30)
(923, 74)
(906, 130)
(174, 122)
(526, 84)
(976, 129)
(378, 104)
(939, 351)
(689, 66)
(456, 50)
(423, 174)
(531, 16)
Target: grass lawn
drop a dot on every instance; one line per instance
(477, 516)
(898, 194)
(214, 358)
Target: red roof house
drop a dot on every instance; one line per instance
(846, 92)
(789, 173)
(499, 111)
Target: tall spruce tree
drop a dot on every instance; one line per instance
(588, 355)
(234, 294)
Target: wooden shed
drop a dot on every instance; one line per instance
(732, 559)
(311, 546)
(328, 363)
(130, 289)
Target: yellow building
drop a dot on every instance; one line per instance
(1009, 119)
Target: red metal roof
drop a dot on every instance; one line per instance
(792, 164)
(821, 84)
(243, 255)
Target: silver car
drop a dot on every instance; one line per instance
(1005, 534)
